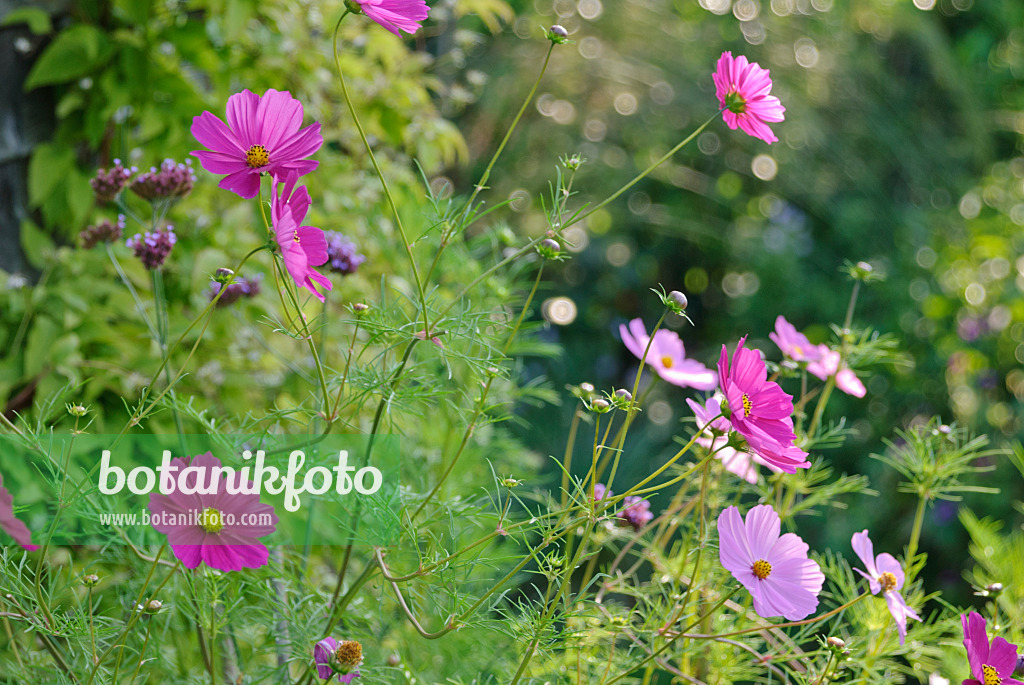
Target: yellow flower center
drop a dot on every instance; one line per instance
(762, 569)
(349, 653)
(887, 581)
(213, 520)
(798, 351)
(991, 675)
(257, 156)
(747, 405)
(666, 361)
(296, 236)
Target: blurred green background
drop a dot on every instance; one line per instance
(900, 148)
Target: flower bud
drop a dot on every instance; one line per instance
(153, 606)
(586, 388)
(600, 406)
(360, 308)
(836, 642)
(90, 580)
(548, 248)
(77, 410)
(573, 162)
(994, 588)
(510, 482)
(678, 298)
(557, 34)
(394, 660)
(223, 275)
(624, 394)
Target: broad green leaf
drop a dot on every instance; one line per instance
(37, 19)
(72, 54)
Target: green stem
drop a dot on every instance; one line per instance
(383, 181)
(915, 537)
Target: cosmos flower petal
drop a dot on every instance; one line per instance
(667, 356)
(395, 15)
(865, 551)
(1002, 656)
(762, 529)
(11, 524)
(742, 89)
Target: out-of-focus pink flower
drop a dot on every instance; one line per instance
(774, 569)
(742, 88)
(667, 356)
(221, 529)
(394, 14)
(990, 664)
(829, 365)
(10, 523)
(793, 343)
(739, 462)
(302, 247)
(342, 658)
(759, 409)
(263, 136)
(884, 575)
(637, 512)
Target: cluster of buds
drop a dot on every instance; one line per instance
(173, 180)
(103, 232)
(342, 255)
(234, 290)
(637, 512)
(107, 183)
(153, 247)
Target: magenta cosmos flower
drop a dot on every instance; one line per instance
(10, 523)
(774, 569)
(393, 14)
(759, 409)
(742, 88)
(793, 343)
(667, 357)
(263, 136)
(830, 364)
(221, 528)
(341, 658)
(743, 464)
(884, 575)
(990, 664)
(302, 247)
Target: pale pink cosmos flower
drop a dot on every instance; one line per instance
(220, 529)
(742, 88)
(884, 574)
(302, 247)
(263, 136)
(990, 664)
(759, 409)
(715, 440)
(830, 364)
(793, 343)
(774, 568)
(394, 14)
(10, 523)
(667, 356)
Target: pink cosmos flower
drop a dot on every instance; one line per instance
(667, 356)
(395, 14)
(990, 664)
(742, 89)
(263, 136)
(829, 365)
(774, 569)
(743, 464)
(10, 523)
(636, 512)
(342, 658)
(884, 575)
(221, 529)
(302, 247)
(793, 343)
(759, 409)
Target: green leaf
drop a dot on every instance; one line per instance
(37, 246)
(49, 165)
(72, 54)
(37, 347)
(38, 20)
